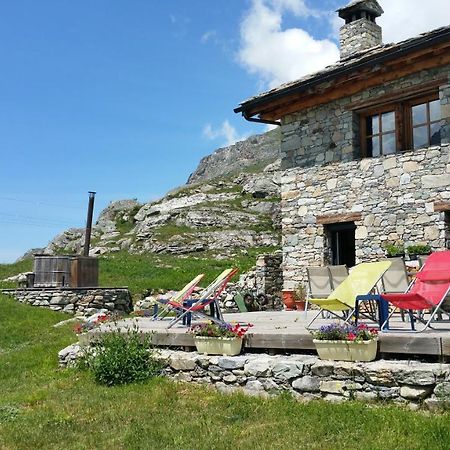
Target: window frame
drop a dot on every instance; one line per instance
(402, 109)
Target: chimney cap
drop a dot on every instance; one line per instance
(370, 6)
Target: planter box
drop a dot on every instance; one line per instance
(347, 350)
(218, 345)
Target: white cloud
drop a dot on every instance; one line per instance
(278, 55)
(225, 130)
(403, 19)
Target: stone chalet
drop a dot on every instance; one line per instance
(365, 147)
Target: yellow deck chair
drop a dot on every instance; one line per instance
(361, 280)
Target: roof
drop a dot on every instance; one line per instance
(352, 63)
(372, 6)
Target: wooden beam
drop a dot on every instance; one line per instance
(338, 218)
(404, 94)
(351, 84)
(441, 206)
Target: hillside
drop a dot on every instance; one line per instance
(225, 214)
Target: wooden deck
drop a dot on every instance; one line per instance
(284, 331)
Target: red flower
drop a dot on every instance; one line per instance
(351, 336)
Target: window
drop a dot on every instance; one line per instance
(447, 229)
(426, 126)
(381, 134)
(401, 126)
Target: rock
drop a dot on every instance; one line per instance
(284, 371)
(416, 377)
(307, 384)
(232, 363)
(322, 369)
(442, 391)
(257, 368)
(182, 362)
(230, 378)
(254, 385)
(414, 393)
(332, 387)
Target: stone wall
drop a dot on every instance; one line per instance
(394, 195)
(329, 133)
(76, 301)
(307, 377)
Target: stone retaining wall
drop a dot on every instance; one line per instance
(307, 377)
(85, 301)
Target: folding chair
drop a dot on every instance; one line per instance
(428, 292)
(394, 281)
(338, 274)
(209, 297)
(176, 301)
(342, 301)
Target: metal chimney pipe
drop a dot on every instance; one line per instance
(87, 239)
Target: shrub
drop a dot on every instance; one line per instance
(419, 249)
(121, 358)
(394, 250)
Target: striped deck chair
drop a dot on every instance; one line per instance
(176, 302)
(428, 292)
(342, 301)
(209, 298)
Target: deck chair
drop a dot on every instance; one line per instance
(394, 281)
(338, 275)
(428, 292)
(176, 302)
(342, 301)
(209, 297)
(319, 282)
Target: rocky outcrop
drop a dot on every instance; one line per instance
(222, 216)
(257, 150)
(213, 212)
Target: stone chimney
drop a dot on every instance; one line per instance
(360, 31)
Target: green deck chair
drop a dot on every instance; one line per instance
(341, 302)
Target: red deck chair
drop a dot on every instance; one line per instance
(428, 292)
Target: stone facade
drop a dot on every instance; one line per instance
(392, 197)
(306, 377)
(77, 301)
(358, 36)
(330, 132)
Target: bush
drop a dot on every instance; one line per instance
(121, 358)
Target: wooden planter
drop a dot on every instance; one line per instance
(347, 350)
(218, 345)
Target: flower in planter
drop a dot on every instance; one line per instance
(226, 330)
(336, 332)
(89, 325)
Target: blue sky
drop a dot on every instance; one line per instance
(124, 97)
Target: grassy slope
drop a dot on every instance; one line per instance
(150, 271)
(45, 407)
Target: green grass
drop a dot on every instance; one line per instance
(149, 271)
(8, 270)
(42, 406)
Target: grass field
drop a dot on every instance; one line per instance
(42, 406)
(150, 271)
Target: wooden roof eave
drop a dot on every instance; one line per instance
(351, 83)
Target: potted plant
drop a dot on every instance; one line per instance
(288, 299)
(300, 297)
(346, 342)
(394, 250)
(218, 339)
(415, 250)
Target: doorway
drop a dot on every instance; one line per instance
(341, 238)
